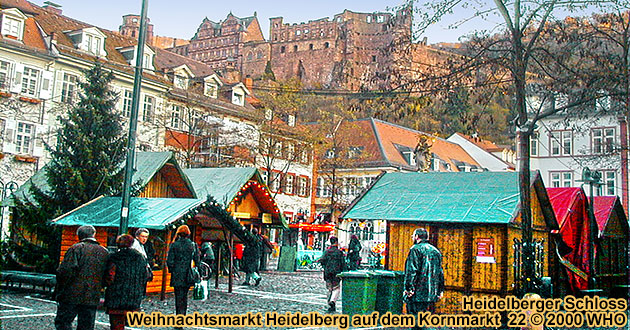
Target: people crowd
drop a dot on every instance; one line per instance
(87, 268)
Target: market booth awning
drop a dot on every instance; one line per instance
(151, 213)
(313, 227)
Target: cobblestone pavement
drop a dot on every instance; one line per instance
(278, 292)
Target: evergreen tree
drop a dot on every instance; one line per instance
(85, 163)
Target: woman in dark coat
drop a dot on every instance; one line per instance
(180, 255)
(126, 277)
(353, 252)
(251, 259)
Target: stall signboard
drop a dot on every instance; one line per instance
(485, 250)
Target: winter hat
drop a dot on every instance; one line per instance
(124, 241)
(183, 230)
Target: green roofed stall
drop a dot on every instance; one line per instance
(151, 213)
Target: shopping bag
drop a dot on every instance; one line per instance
(204, 285)
(198, 292)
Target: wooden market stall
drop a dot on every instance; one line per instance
(471, 217)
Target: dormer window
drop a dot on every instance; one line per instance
(238, 98)
(90, 40)
(130, 52)
(181, 76)
(291, 120)
(211, 86)
(13, 23)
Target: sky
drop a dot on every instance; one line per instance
(181, 18)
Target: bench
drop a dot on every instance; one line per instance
(37, 281)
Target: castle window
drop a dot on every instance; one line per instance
(295, 48)
(373, 58)
(259, 55)
(310, 46)
(380, 19)
(282, 49)
(250, 56)
(326, 45)
(368, 19)
(297, 32)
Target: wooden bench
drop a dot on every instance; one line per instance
(37, 281)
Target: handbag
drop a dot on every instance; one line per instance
(193, 276)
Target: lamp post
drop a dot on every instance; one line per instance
(593, 179)
(133, 123)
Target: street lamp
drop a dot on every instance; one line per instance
(133, 123)
(592, 178)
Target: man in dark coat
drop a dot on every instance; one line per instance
(80, 281)
(251, 258)
(424, 277)
(126, 278)
(334, 262)
(180, 255)
(354, 249)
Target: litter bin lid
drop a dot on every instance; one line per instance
(356, 273)
(385, 273)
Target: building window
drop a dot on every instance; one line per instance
(304, 155)
(380, 19)
(291, 120)
(310, 46)
(127, 101)
(12, 27)
(176, 114)
(238, 98)
(93, 44)
(5, 74)
(561, 143)
(373, 58)
(29, 81)
(608, 183)
(180, 81)
(264, 174)
(368, 231)
(295, 48)
(326, 45)
(24, 138)
(210, 90)
(368, 19)
(290, 150)
(533, 144)
(603, 140)
(282, 49)
(289, 181)
(276, 180)
(148, 109)
(323, 188)
(302, 186)
(561, 179)
(68, 88)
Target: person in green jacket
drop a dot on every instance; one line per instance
(424, 277)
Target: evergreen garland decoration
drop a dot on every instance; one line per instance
(214, 209)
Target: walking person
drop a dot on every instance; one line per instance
(354, 248)
(143, 245)
(125, 278)
(180, 255)
(80, 281)
(424, 277)
(334, 262)
(251, 259)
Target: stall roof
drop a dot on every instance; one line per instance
(603, 208)
(147, 165)
(152, 213)
(458, 197)
(221, 183)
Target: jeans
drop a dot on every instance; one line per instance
(334, 289)
(67, 312)
(416, 307)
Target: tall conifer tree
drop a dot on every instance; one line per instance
(85, 163)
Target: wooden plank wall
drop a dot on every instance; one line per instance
(69, 238)
(400, 241)
(157, 187)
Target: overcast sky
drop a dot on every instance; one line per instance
(180, 18)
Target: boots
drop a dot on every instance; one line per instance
(332, 307)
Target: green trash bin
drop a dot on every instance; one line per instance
(389, 291)
(358, 292)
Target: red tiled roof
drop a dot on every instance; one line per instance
(391, 134)
(481, 143)
(166, 60)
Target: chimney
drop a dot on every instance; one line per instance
(249, 83)
(52, 7)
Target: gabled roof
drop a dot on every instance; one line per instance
(604, 207)
(470, 197)
(225, 183)
(151, 213)
(148, 164)
(165, 61)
